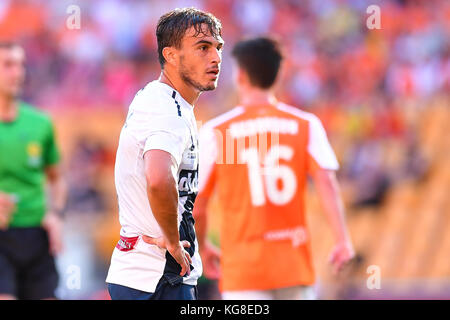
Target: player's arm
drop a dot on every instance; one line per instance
(53, 218)
(58, 189)
(322, 166)
(52, 221)
(7, 207)
(160, 173)
(328, 190)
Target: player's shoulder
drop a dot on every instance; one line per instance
(156, 98)
(35, 115)
(153, 109)
(224, 118)
(297, 113)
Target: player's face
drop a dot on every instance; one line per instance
(12, 71)
(199, 60)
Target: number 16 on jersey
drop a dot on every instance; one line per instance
(263, 180)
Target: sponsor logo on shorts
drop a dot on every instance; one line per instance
(126, 244)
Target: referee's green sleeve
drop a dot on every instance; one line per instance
(51, 152)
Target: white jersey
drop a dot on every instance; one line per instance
(158, 118)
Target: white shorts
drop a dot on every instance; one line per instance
(290, 293)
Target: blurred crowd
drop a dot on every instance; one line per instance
(362, 83)
(359, 81)
(332, 57)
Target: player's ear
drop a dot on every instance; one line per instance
(170, 55)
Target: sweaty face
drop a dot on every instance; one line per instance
(200, 59)
(12, 71)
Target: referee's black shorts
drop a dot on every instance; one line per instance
(27, 269)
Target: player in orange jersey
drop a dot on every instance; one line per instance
(257, 157)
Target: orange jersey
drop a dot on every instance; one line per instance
(257, 159)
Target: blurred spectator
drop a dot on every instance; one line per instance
(84, 175)
(332, 55)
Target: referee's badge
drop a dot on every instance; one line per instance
(34, 152)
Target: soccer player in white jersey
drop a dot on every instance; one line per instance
(157, 164)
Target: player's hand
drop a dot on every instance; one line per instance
(341, 254)
(177, 252)
(211, 261)
(7, 207)
(53, 224)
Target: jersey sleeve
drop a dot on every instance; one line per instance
(320, 153)
(207, 164)
(168, 133)
(155, 122)
(51, 152)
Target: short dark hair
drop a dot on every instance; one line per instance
(173, 25)
(260, 58)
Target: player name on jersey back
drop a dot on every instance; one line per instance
(262, 125)
(257, 158)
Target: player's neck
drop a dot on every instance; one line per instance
(8, 108)
(257, 97)
(186, 91)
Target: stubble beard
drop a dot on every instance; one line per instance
(186, 77)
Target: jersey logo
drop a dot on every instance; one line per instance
(188, 183)
(298, 236)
